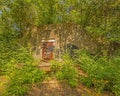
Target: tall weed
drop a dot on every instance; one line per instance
(66, 70)
(20, 78)
(103, 72)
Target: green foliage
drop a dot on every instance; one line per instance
(11, 52)
(26, 75)
(17, 90)
(103, 21)
(103, 73)
(97, 17)
(56, 66)
(100, 17)
(66, 70)
(69, 73)
(20, 78)
(17, 63)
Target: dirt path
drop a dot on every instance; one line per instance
(54, 87)
(61, 88)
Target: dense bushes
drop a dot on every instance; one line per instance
(103, 73)
(21, 78)
(11, 51)
(66, 71)
(21, 71)
(69, 73)
(17, 63)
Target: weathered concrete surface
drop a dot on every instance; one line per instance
(63, 34)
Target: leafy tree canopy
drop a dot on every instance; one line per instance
(98, 17)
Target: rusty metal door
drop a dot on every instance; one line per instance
(47, 50)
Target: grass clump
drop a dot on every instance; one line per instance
(21, 78)
(103, 72)
(66, 70)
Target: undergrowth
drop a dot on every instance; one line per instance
(18, 64)
(21, 78)
(65, 70)
(103, 72)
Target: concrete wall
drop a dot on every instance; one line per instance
(63, 34)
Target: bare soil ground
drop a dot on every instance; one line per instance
(54, 87)
(61, 88)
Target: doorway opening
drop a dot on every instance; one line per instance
(48, 47)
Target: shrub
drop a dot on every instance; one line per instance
(21, 77)
(56, 66)
(69, 73)
(16, 90)
(17, 63)
(103, 72)
(66, 70)
(10, 50)
(115, 80)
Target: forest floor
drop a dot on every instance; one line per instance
(52, 87)
(55, 88)
(61, 88)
